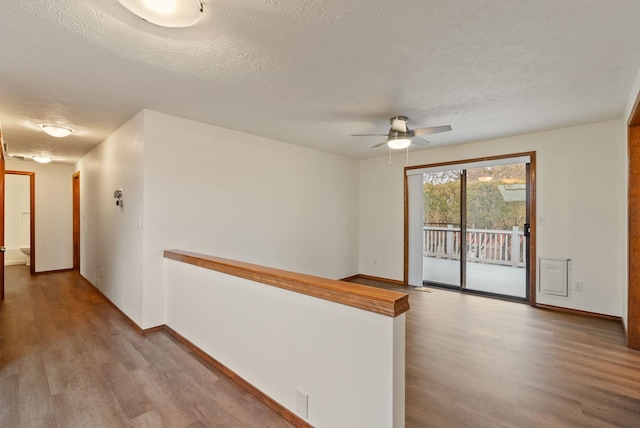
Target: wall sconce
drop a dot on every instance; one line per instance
(118, 195)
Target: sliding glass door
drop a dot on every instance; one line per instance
(474, 226)
(442, 238)
(496, 207)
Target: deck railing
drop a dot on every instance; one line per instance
(500, 247)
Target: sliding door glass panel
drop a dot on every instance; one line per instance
(496, 206)
(442, 238)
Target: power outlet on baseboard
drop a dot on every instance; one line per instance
(577, 286)
(302, 404)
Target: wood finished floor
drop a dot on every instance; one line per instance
(68, 359)
(478, 362)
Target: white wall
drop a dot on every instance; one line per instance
(347, 360)
(581, 191)
(53, 219)
(111, 243)
(203, 188)
(244, 197)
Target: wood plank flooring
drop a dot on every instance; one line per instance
(473, 361)
(68, 359)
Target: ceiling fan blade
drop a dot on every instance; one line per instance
(368, 135)
(399, 124)
(431, 130)
(419, 141)
(380, 144)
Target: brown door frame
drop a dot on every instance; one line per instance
(1, 217)
(633, 234)
(32, 215)
(76, 221)
(532, 214)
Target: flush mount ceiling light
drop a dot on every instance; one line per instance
(166, 13)
(57, 130)
(42, 159)
(399, 143)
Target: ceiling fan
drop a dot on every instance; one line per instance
(400, 136)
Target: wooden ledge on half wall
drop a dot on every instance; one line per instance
(384, 302)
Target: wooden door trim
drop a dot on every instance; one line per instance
(76, 220)
(633, 233)
(532, 212)
(1, 216)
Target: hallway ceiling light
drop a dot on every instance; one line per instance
(399, 143)
(57, 130)
(166, 13)
(42, 159)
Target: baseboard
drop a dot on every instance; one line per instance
(374, 278)
(131, 322)
(268, 401)
(14, 262)
(45, 272)
(579, 312)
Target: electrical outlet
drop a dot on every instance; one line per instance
(577, 286)
(302, 404)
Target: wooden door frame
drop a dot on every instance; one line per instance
(1, 216)
(32, 215)
(532, 214)
(633, 233)
(76, 220)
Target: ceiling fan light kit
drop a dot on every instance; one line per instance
(57, 131)
(166, 13)
(399, 143)
(401, 137)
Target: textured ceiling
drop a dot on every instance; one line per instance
(312, 72)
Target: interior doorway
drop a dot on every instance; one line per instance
(469, 227)
(76, 221)
(19, 218)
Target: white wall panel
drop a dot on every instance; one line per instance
(581, 192)
(349, 361)
(111, 248)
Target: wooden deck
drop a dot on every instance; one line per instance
(497, 279)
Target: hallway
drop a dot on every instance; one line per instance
(68, 359)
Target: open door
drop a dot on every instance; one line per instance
(2, 248)
(76, 221)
